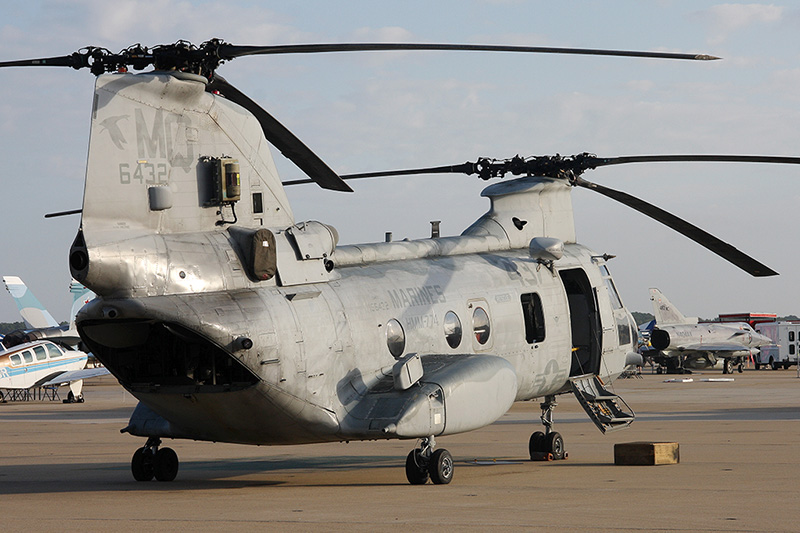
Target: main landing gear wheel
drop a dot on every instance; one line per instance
(142, 464)
(165, 465)
(727, 366)
(424, 463)
(416, 470)
(149, 461)
(71, 398)
(441, 467)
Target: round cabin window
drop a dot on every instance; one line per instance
(480, 325)
(395, 338)
(452, 329)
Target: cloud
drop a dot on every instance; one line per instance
(726, 19)
(385, 34)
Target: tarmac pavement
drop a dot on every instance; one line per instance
(66, 467)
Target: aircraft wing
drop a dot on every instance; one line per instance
(719, 349)
(76, 375)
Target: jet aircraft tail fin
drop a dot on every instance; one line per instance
(665, 312)
(33, 312)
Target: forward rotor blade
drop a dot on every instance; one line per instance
(231, 51)
(72, 60)
(283, 139)
(621, 160)
(702, 237)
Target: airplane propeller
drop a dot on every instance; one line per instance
(570, 168)
(206, 58)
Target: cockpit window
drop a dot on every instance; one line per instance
(626, 331)
(53, 350)
(616, 302)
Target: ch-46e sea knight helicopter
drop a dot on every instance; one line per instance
(231, 321)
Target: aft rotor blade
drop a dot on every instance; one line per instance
(231, 51)
(465, 168)
(719, 247)
(63, 213)
(283, 139)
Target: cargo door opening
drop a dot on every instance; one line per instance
(584, 322)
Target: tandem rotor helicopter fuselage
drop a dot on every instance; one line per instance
(231, 321)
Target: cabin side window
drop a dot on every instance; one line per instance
(480, 325)
(452, 329)
(791, 336)
(16, 360)
(395, 338)
(533, 315)
(41, 355)
(28, 356)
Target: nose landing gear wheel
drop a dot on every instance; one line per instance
(536, 445)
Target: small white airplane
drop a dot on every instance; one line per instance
(45, 364)
(32, 358)
(682, 342)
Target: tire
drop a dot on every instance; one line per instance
(441, 467)
(555, 445)
(165, 464)
(536, 444)
(727, 366)
(773, 364)
(416, 473)
(142, 465)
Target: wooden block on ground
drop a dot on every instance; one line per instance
(646, 453)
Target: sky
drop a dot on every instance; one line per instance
(377, 111)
